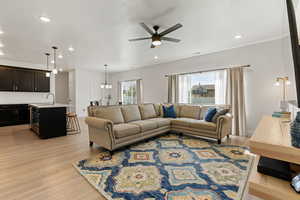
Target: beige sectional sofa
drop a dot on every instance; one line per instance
(116, 126)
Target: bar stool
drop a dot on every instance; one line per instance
(73, 126)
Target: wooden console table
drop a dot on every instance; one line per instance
(272, 139)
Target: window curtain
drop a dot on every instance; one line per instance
(119, 91)
(173, 89)
(236, 98)
(220, 86)
(139, 91)
(185, 85)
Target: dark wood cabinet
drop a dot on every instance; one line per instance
(48, 122)
(42, 83)
(6, 79)
(23, 80)
(14, 114)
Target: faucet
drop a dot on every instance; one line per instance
(53, 96)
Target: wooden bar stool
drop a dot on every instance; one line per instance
(73, 126)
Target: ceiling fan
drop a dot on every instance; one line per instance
(156, 37)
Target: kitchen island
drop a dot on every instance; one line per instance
(48, 120)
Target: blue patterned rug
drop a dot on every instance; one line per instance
(170, 167)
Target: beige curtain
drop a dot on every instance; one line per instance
(119, 91)
(139, 93)
(173, 89)
(236, 98)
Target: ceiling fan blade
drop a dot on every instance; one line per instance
(137, 39)
(146, 28)
(169, 30)
(170, 39)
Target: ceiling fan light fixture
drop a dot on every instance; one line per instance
(156, 42)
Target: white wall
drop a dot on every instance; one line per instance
(25, 97)
(268, 60)
(87, 88)
(62, 87)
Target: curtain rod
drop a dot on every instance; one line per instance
(130, 80)
(210, 70)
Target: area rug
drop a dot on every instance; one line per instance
(170, 167)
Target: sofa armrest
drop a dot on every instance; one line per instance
(99, 123)
(224, 125)
(101, 132)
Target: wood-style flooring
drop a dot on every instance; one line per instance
(34, 169)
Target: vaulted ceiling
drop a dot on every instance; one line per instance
(99, 30)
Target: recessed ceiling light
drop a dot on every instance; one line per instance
(52, 61)
(155, 57)
(238, 36)
(45, 19)
(1, 32)
(60, 56)
(71, 49)
(1, 53)
(1, 44)
(60, 69)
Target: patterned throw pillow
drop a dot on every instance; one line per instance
(219, 113)
(169, 111)
(210, 114)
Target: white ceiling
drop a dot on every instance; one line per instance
(99, 29)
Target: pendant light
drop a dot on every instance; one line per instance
(54, 71)
(47, 73)
(106, 85)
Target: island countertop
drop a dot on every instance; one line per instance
(57, 105)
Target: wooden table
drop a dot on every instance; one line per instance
(272, 139)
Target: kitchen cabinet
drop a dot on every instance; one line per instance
(16, 79)
(23, 80)
(42, 83)
(14, 114)
(6, 79)
(48, 121)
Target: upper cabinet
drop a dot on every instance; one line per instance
(6, 79)
(42, 83)
(23, 80)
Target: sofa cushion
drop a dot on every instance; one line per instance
(111, 113)
(192, 112)
(158, 109)
(176, 108)
(182, 122)
(131, 113)
(205, 108)
(145, 125)
(219, 113)
(200, 124)
(147, 111)
(124, 130)
(169, 111)
(161, 121)
(210, 114)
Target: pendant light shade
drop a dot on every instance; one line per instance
(105, 85)
(54, 71)
(48, 74)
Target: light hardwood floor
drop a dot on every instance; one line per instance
(34, 169)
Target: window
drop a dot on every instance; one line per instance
(202, 88)
(129, 92)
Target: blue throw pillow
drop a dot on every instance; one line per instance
(210, 114)
(169, 111)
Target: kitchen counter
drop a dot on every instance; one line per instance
(46, 105)
(48, 120)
